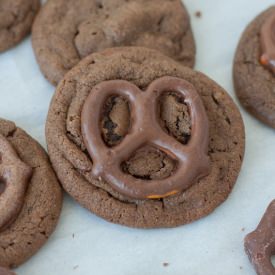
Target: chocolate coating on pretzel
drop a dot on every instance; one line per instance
(4, 271)
(192, 160)
(260, 244)
(14, 178)
(268, 43)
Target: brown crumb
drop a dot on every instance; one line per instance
(165, 264)
(198, 14)
(241, 267)
(243, 229)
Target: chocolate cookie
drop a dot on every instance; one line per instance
(142, 141)
(30, 196)
(260, 244)
(16, 18)
(254, 68)
(65, 31)
(4, 271)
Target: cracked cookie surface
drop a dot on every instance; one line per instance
(65, 31)
(254, 83)
(42, 204)
(141, 66)
(16, 18)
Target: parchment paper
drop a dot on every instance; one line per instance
(85, 244)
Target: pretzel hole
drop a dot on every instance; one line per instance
(149, 163)
(174, 116)
(115, 120)
(2, 185)
(272, 259)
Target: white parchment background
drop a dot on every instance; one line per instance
(213, 245)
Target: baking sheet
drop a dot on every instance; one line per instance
(85, 244)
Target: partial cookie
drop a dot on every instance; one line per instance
(4, 271)
(30, 196)
(260, 244)
(16, 19)
(84, 27)
(254, 68)
(141, 68)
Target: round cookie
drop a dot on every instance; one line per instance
(254, 83)
(29, 229)
(16, 19)
(141, 66)
(65, 31)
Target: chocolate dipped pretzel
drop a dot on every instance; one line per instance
(260, 244)
(192, 160)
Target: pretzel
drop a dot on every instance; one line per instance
(14, 177)
(260, 244)
(192, 160)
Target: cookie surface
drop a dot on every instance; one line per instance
(16, 18)
(141, 67)
(31, 228)
(84, 27)
(254, 83)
